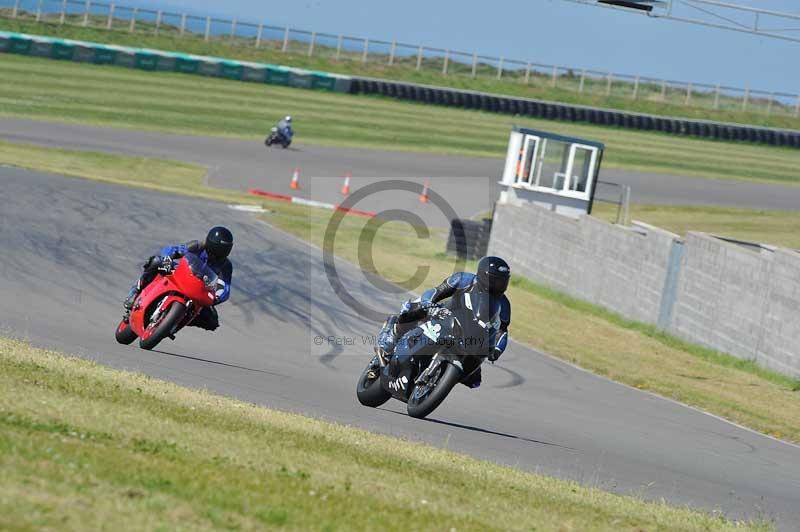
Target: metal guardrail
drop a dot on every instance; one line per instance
(394, 54)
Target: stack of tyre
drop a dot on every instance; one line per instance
(469, 239)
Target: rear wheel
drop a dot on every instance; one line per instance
(124, 333)
(161, 328)
(426, 396)
(369, 390)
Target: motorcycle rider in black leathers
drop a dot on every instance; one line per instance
(491, 278)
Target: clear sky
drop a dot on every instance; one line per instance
(543, 31)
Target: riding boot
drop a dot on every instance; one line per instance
(146, 278)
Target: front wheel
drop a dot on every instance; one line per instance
(426, 396)
(159, 330)
(124, 333)
(369, 390)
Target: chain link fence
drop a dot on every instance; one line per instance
(388, 55)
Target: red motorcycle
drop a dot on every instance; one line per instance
(169, 303)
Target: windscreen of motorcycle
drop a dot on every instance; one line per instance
(202, 271)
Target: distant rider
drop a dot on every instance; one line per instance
(285, 128)
(492, 278)
(214, 250)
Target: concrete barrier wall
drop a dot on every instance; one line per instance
(620, 268)
(741, 300)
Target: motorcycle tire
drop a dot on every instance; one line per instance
(285, 145)
(369, 391)
(155, 333)
(422, 406)
(268, 142)
(124, 333)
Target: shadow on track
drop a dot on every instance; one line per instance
(215, 362)
(484, 431)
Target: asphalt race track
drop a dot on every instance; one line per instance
(468, 183)
(73, 247)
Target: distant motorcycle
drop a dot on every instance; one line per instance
(459, 344)
(276, 137)
(169, 303)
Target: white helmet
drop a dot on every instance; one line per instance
(288, 118)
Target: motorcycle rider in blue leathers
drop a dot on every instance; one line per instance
(214, 250)
(285, 128)
(492, 278)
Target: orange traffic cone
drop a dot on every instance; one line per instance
(346, 186)
(423, 198)
(295, 184)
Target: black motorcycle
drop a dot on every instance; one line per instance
(434, 356)
(276, 137)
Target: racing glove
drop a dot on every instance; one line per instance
(438, 313)
(499, 348)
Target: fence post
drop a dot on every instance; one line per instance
(311, 44)
(446, 58)
(158, 21)
(86, 7)
(797, 107)
(746, 97)
(133, 19)
(663, 90)
(688, 94)
(285, 40)
(233, 28)
(554, 78)
(608, 84)
(769, 105)
(500, 69)
(366, 48)
(338, 47)
(183, 24)
(583, 80)
(207, 34)
(391, 53)
(419, 58)
(716, 97)
(636, 87)
(528, 73)
(38, 10)
(110, 21)
(627, 209)
(474, 64)
(63, 12)
(258, 35)
(15, 9)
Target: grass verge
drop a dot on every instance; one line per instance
(83, 446)
(777, 228)
(404, 69)
(111, 96)
(626, 351)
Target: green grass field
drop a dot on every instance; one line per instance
(648, 100)
(85, 447)
(777, 228)
(626, 351)
(112, 96)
